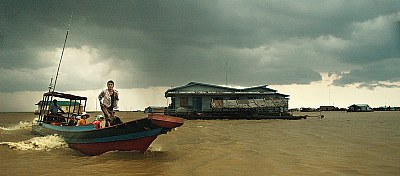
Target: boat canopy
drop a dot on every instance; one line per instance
(75, 106)
(64, 95)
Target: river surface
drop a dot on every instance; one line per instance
(339, 144)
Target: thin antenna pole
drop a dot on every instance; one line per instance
(226, 75)
(51, 86)
(329, 86)
(62, 53)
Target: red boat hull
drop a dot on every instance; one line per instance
(140, 144)
(166, 121)
(136, 135)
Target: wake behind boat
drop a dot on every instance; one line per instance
(136, 135)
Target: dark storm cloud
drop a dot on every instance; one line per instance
(170, 43)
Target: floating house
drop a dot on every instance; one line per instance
(212, 101)
(64, 105)
(155, 109)
(385, 108)
(328, 108)
(359, 108)
(303, 109)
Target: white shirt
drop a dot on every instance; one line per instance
(105, 98)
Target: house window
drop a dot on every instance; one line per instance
(184, 101)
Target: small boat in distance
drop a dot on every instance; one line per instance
(136, 135)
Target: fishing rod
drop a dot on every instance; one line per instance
(62, 53)
(46, 100)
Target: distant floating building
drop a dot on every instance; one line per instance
(328, 108)
(216, 101)
(155, 109)
(384, 108)
(359, 108)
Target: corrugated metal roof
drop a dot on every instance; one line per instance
(190, 84)
(229, 90)
(64, 95)
(222, 87)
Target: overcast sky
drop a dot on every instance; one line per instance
(150, 44)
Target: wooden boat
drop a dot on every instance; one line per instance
(136, 135)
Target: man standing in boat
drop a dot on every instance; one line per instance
(108, 101)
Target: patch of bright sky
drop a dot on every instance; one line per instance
(322, 93)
